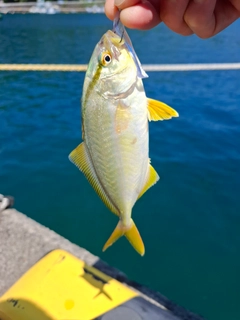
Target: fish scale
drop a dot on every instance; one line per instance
(103, 157)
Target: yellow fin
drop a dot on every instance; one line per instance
(131, 233)
(82, 160)
(117, 233)
(158, 110)
(135, 239)
(153, 177)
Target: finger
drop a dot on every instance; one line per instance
(200, 18)
(110, 9)
(206, 18)
(236, 5)
(142, 16)
(122, 4)
(225, 14)
(172, 13)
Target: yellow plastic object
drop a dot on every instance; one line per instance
(62, 287)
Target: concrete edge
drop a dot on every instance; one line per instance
(23, 242)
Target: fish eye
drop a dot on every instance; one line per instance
(105, 58)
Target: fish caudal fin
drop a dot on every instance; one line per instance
(135, 239)
(158, 110)
(131, 233)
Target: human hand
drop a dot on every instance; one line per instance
(205, 18)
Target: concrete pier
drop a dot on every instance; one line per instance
(23, 242)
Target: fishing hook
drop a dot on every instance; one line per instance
(122, 36)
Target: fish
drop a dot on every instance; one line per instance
(115, 112)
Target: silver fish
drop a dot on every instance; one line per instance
(114, 154)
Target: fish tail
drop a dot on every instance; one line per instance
(131, 233)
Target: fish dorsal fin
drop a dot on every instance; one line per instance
(158, 110)
(80, 157)
(153, 177)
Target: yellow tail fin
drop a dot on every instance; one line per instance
(131, 233)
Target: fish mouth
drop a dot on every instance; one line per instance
(115, 38)
(113, 43)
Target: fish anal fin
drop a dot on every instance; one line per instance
(80, 157)
(153, 177)
(158, 110)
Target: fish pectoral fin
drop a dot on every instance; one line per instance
(158, 110)
(131, 233)
(80, 157)
(153, 177)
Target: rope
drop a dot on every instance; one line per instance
(192, 67)
(43, 67)
(147, 67)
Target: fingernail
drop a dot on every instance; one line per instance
(118, 2)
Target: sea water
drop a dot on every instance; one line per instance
(190, 220)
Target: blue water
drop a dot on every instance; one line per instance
(190, 220)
